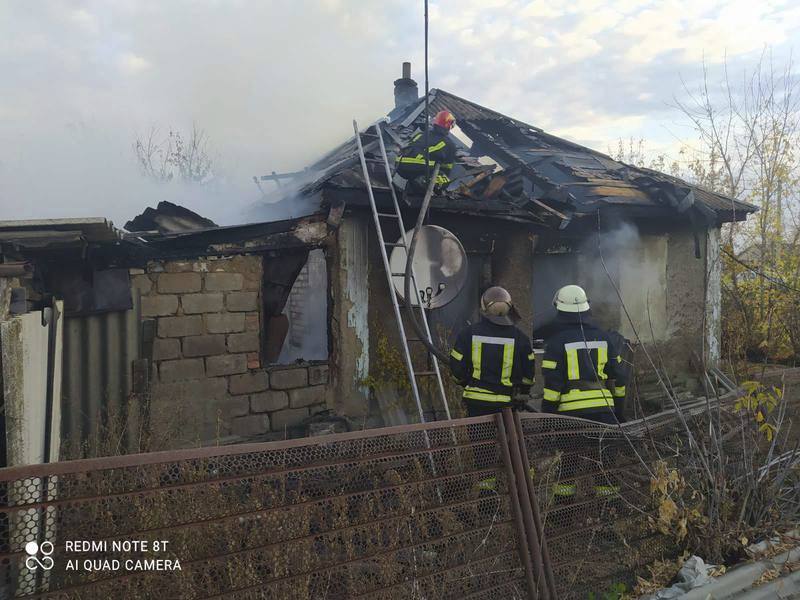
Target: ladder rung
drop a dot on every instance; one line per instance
(395, 245)
(388, 215)
(424, 373)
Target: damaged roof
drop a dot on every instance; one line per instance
(512, 170)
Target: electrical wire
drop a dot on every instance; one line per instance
(760, 273)
(427, 116)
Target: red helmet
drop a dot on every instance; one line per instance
(445, 120)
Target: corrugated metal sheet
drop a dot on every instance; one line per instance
(99, 351)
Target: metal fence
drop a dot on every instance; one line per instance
(457, 509)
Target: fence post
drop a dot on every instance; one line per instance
(537, 517)
(521, 475)
(524, 550)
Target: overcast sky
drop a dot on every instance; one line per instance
(274, 84)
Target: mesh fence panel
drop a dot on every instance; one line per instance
(592, 484)
(420, 511)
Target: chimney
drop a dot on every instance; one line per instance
(405, 88)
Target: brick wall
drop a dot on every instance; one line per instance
(208, 381)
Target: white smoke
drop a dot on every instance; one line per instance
(632, 265)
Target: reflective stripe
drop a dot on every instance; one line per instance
(606, 490)
(527, 381)
(477, 352)
(549, 364)
(416, 137)
(476, 393)
(571, 349)
(619, 391)
(531, 356)
(573, 395)
(602, 359)
(619, 359)
(436, 147)
(456, 354)
(488, 484)
(564, 489)
(584, 345)
(447, 166)
(583, 399)
(552, 395)
(573, 373)
(415, 160)
(508, 363)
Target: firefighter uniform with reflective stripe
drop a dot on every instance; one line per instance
(441, 150)
(490, 360)
(580, 361)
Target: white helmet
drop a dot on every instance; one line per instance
(496, 305)
(571, 299)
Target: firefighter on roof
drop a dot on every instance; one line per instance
(582, 365)
(492, 358)
(441, 150)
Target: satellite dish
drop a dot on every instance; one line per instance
(440, 266)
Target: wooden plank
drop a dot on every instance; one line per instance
(607, 190)
(494, 187)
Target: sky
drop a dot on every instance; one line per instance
(274, 84)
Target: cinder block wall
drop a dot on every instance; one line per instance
(208, 383)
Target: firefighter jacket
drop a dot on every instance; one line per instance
(580, 361)
(490, 360)
(441, 150)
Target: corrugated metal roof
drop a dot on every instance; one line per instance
(90, 229)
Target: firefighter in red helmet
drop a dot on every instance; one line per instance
(440, 150)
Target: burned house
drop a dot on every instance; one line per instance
(199, 334)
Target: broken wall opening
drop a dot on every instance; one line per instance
(296, 308)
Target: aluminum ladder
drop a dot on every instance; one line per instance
(397, 217)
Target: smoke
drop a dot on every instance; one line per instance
(636, 264)
(273, 85)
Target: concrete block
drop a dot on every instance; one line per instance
(318, 374)
(179, 283)
(226, 364)
(251, 322)
(224, 322)
(307, 396)
(253, 360)
(180, 326)
(181, 370)
(159, 306)
(178, 266)
(288, 417)
(243, 342)
(135, 271)
(143, 283)
(285, 379)
(203, 345)
(249, 383)
(269, 401)
(192, 393)
(241, 301)
(155, 266)
(201, 303)
(221, 265)
(166, 348)
(224, 282)
(236, 406)
(250, 425)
